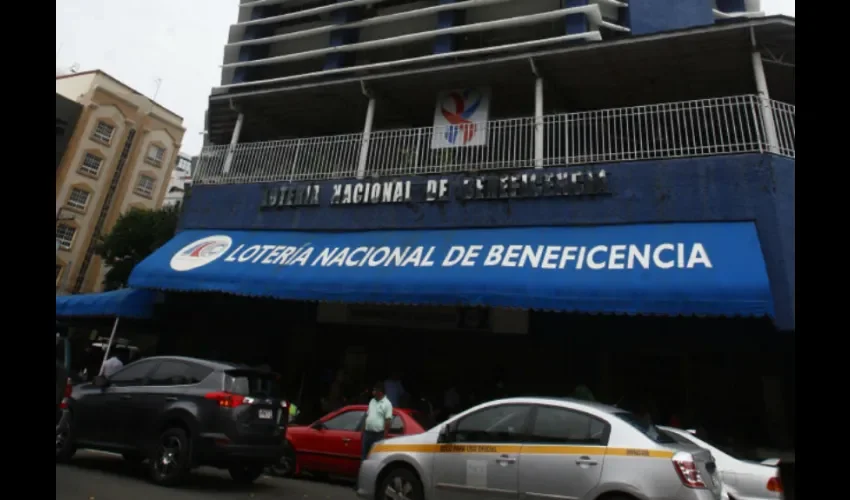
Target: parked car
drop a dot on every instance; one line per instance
(179, 413)
(332, 445)
(540, 448)
(742, 479)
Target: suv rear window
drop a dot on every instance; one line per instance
(252, 383)
(648, 430)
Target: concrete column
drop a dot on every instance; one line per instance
(764, 99)
(364, 142)
(234, 139)
(538, 122)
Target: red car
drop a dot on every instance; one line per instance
(331, 446)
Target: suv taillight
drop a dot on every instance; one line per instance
(226, 399)
(68, 390)
(687, 470)
(775, 484)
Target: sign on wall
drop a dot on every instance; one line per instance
(459, 118)
(548, 183)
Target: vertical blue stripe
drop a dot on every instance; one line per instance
(253, 32)
(575, 23)
(343, 37)
(447, 19)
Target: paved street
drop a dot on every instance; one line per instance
(96, 476)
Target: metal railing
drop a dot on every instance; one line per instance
(704, 127)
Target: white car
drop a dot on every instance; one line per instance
(742, 479)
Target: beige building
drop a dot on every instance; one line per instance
(119, 157)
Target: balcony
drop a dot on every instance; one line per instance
(706, 127)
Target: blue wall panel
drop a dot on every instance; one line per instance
(342, 37)
(253, 32)
(723, 188)
(731, 5)
(575, 23)
(447, 19)
(653, 16)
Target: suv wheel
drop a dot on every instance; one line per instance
(65, 448)
(400, 483)
(245, 474)
(171, 460)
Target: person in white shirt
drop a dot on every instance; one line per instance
(111, 365)
(378, 420)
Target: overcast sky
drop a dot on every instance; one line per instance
(178, 41)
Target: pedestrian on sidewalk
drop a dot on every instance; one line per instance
(378, 419)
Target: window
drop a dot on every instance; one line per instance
(348, 421)
(497, 424)
(65, 235)
(91, 164)
(177, 373)
(103, 132)
(252, 383)
(561, 426)
(145, 185)
(647, 429)
(156, 154)
(78, 199)
(132, 374)
(397, 425)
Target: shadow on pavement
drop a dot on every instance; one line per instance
(199, 480)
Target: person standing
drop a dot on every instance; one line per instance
(378, 419)
(111, 365)
(395, 389)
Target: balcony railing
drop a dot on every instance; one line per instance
(717, 126)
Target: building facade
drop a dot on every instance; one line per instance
(119, 156)
(579, 192)
(67, 114)
(181, 180)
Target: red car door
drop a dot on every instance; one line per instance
(333, 443)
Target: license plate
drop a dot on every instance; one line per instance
(265, 414)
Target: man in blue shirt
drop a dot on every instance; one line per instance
(378, 420)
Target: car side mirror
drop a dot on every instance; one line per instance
(101, 382)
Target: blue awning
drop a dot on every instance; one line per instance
(125, 303)
(668, 269)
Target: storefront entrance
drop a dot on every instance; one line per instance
(728, 377)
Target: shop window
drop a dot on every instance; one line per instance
(496, 424)
(561, 426)
(348, 421)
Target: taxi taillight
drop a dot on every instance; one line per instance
(687, 470)
(774, 484)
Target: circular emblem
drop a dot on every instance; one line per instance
(200, 253)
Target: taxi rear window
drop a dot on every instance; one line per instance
(647, 430)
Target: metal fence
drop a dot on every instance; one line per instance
(702, 127)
